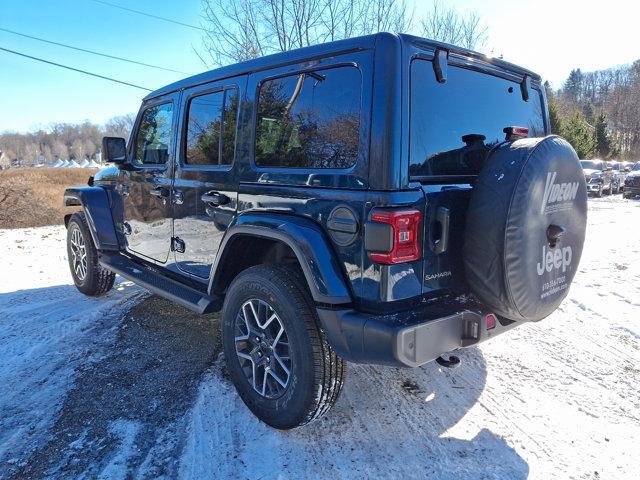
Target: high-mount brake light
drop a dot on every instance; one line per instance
(514, 133)
(405, 235)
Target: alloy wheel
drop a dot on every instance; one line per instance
(262, 347)
(78, 253)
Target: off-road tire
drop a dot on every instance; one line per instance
(98, 280)
(316, 375)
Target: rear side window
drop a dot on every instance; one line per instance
(454, 124)
(155, 135)
(310, 120)
(211, 128)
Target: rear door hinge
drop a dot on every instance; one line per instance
(177, 245)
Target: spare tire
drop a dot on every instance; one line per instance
(525, 227)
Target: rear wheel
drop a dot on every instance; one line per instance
(277, 356)
(88, 275)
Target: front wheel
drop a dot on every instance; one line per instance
(88, 275)
(277, 356)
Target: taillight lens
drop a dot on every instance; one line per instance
(405, 232)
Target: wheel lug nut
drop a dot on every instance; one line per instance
(259, 354)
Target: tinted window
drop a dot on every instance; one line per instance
(454, 124)
(211, 128)
(311, 120)
(155, 134)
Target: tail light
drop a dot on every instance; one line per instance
(397, 236)
(491, 321)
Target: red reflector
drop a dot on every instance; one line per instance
(491, 321)
(405, 225)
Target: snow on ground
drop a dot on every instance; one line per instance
(131, 385)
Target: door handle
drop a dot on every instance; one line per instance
(160, 192)
(215, 198)
(440, 244)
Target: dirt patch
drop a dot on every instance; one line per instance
(126, 412)
(32, 197)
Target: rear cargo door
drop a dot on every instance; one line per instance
(455, 120)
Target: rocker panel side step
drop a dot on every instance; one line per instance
(154, 281)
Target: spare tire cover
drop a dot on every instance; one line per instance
(525, 227)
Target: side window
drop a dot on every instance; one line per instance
(155, 135)
(211, 128)
(310, 120)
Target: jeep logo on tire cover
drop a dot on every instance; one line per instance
(557, 195)
(554, 259)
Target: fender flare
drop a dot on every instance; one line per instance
(307, 241)
(97, 208)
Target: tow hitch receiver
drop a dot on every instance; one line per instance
(452, 362)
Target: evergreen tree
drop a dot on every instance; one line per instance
(555, 119)
(580, 135)
(605, 146)
(572, 88)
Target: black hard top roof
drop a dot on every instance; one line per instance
(338, 47)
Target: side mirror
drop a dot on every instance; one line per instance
(114, 150)
(627, 169)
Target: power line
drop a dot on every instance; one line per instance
(74, 69)
(150, 15)
(90, 51)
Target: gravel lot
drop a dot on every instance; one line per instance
(132, 386)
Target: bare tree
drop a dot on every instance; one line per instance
(120, 126)
(243, 29)
(447, 25)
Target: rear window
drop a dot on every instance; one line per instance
(454, 124)
(589, 164)
(310, 120)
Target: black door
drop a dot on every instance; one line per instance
(205, 188)
(146, 188)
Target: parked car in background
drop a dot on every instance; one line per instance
(598, 175)
(627, 165)
(632, 182)
(619, 175)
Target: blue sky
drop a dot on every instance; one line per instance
(548, 36)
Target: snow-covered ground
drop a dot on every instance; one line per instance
(130, 385)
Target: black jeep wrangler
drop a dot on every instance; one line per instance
(384, 199)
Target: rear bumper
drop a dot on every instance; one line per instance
(408, 339)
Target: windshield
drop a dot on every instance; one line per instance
(591, 165)
(454, 124)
